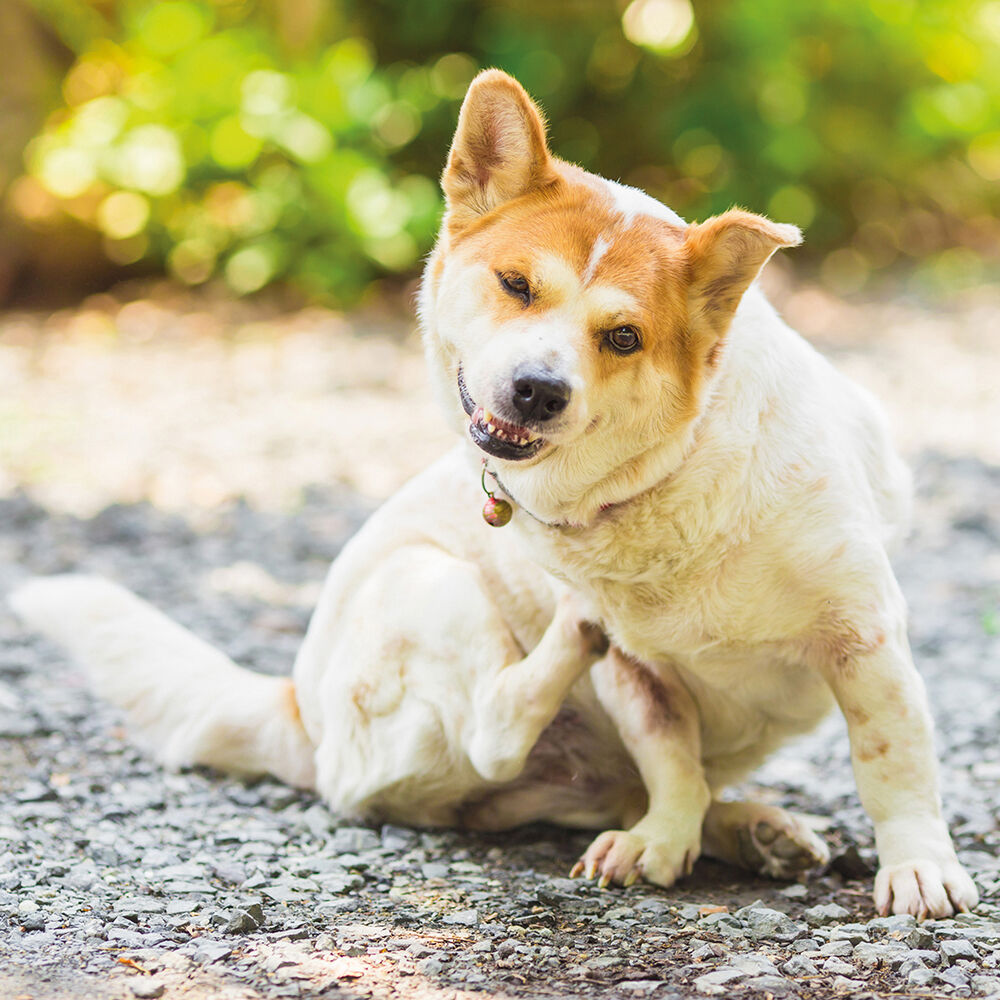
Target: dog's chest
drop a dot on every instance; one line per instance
(665, 589)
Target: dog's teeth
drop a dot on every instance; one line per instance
(490, 428)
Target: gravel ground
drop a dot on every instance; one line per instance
(119, 880)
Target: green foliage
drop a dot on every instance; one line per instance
(299, 140)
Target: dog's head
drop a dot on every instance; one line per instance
(573, 324)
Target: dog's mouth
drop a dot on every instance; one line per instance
(497, 437)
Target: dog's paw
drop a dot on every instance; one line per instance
(623, 857)
(925, 889)
(580, 620)
(780, 845)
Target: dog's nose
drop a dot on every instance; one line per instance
(538, 394)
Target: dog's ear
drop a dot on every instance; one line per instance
(725, 254)
(499, 150)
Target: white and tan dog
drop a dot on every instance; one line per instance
(685, 472)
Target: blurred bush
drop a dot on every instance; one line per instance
(301, 139)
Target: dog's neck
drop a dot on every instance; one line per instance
(611, 494)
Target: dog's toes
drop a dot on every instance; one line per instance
(621, 857)
(924, 889)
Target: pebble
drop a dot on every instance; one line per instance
(765, 923)
(838, 967)
(147, 989)
(825, 913)
(798, 965)
(952, 951)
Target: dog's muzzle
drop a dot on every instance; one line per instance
(507, 440)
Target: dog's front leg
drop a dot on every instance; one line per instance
(514, 705)
(658, 722)
(882, 697)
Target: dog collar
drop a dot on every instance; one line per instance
(498, 512)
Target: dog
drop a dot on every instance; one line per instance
(695, 568)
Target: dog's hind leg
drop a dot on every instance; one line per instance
(764, 839)
(515, 704)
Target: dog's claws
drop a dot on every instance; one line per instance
(591, 869)
(631, 878)
(604, 881)
(576, 870)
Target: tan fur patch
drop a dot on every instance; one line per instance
(292, 702)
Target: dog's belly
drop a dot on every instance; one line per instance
(578, 774)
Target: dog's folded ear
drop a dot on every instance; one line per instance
(725, 254)
(499, 150)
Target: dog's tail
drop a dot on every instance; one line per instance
(187, 701)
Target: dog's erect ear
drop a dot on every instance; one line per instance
(726, 253)
(499, 149)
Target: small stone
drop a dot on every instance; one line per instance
(855, 933)
(920, 937)
(839, 949)
(842, 984)
(706, 951)
(206, 951)
(230, 871)
(754, 964)
(953, 976)
(986, 985)
(432, 966)
(838, 967)
(716, 983)
(825, 913)
(804, 944)
(920, 976)
(397, 838)
(763, 922)
(464, 918)
(723, 923)
(870, 955)
(147, 989)
(797, 965)
(246, 920)
(952, 951)
(772, 985)
(895, 924)
(354, 840)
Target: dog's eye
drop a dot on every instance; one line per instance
(515, 284)
(623, 339)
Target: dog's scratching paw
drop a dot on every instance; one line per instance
(623, 857)
(594, 639)
(925, 889)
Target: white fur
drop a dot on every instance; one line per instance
(186, 700)
(632, 202)
(601, 247)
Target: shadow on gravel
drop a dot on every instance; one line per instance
(120, 880)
